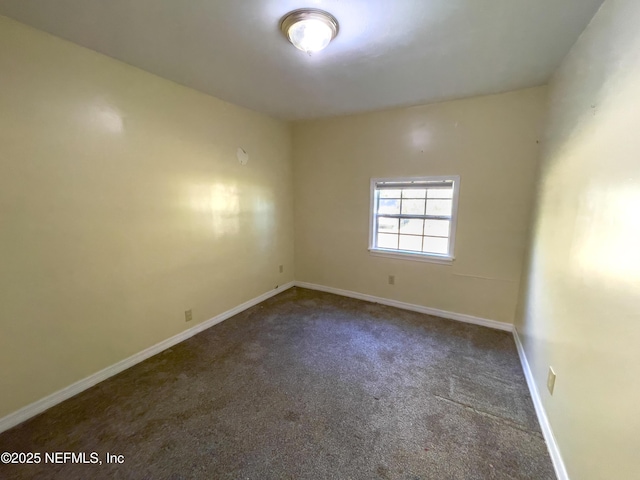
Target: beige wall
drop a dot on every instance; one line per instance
(122, 204)
(581, 303)
(491, 142)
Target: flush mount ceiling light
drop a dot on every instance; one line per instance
(309, 29)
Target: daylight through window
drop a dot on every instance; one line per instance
(414, 216)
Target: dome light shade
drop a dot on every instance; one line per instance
(309, 29)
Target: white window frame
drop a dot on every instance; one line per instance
(405, 254)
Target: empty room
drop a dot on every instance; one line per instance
(322, 239)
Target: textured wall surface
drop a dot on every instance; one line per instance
(122, 205)
(580, 305)
(491, 142)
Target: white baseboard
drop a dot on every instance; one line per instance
(55, 398)
(461, 317)
(552, 445)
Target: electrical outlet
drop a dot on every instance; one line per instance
(188, 315)
(392, 279)
(281, 268)
(551, 380)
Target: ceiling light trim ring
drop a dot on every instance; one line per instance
(301, 14)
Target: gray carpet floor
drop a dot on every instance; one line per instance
(305, 385)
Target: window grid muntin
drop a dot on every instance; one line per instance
(409, 186)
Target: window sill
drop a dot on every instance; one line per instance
(416, 257)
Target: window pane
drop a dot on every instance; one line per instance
(413, 207)
(440, 193)
(414, 193)
(436, 228)
(436, 245)
(412, 226)
(384, 193)
(414, 199)
(409, 242)
(388, 225)
(438, 207)
(390, 207)
(386, 240)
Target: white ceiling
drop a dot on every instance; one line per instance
(388, 52)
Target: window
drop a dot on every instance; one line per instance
(414, 217)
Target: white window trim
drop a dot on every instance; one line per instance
(409, 255)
